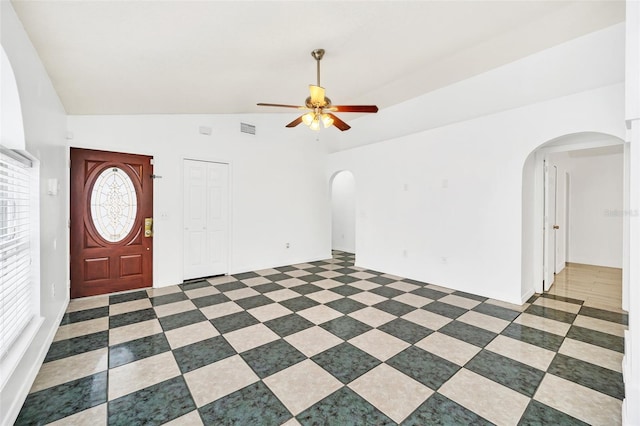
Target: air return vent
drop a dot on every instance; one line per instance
(248, 128)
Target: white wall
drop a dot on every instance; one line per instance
(343, 212)
(44, 131)
(631, 361)
(278, 193)
(596, 207)
(460, 220)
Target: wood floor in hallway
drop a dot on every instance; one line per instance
(598, 286)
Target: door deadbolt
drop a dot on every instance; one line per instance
(148, 227)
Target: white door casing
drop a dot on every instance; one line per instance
(206, 201)
(550, 193)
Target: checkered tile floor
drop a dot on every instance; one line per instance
(328, 343)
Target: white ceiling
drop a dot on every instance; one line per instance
(149, 57)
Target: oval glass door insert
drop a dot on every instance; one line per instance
(114, 204)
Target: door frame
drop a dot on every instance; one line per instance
(150, 246)
(538, 203)
(229, 208)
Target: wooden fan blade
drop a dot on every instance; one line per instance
(295, 122)
(354, 108)
(339, 123)
(282, 106)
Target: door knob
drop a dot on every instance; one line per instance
(556, 226)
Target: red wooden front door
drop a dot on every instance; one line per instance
(111, 196)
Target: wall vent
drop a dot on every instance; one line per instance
(248, 128)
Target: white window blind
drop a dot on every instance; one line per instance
(16, 307)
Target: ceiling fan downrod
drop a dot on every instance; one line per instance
(317, 55)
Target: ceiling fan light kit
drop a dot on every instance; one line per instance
(320, 107)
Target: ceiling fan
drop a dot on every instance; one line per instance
(320, 107)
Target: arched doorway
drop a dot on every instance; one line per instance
(343, 212)
(573, 208)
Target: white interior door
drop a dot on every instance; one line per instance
(206, 193)
(550, 227)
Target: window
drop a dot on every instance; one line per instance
(18, 280)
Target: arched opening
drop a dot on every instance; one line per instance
(12, 135)
(573, 213)
(343, 212)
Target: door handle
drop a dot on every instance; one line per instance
(556, 226)
(148, 227)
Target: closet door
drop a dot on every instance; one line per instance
(206, 194)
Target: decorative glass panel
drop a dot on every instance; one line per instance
(113, 204)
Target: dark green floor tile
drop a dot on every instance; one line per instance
(344, 407)
(346, 290)
(316, 269)
(616, 317)
(234, 285)
(415, 282)
(134, 350)
(131, 317)
(497, 311)
(441, 411)
(562, 298)
(77, 345)
(387, 292)
(506, 371)
(244, 276)
(168, 298)
(346, 279)
(470, 296)
(306, 289)
(153, 405)
(406, 330)
(229, 323)
(445, 309)
(604, 340)
(533, 336)
(127, 297)
(288, 324)
(346, 305)
(272, 357)
(394, 307)
(346, 327)
(88, 314)
(346, 271)
(63, 400)
(539, 414)
(194, 285)
(254, 301)
(381, 280)
(267, 288)
(589, 375)
(429, 293)
(182, 319)
(345, 362)
(252, 405)
(311, 278)
(205, 352)
(554, 314)
(533, 298)
(423, 366)
(281, 276)
(468, 333)
(212, 299)
(299, 303)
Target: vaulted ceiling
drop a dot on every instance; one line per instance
(189, 57)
